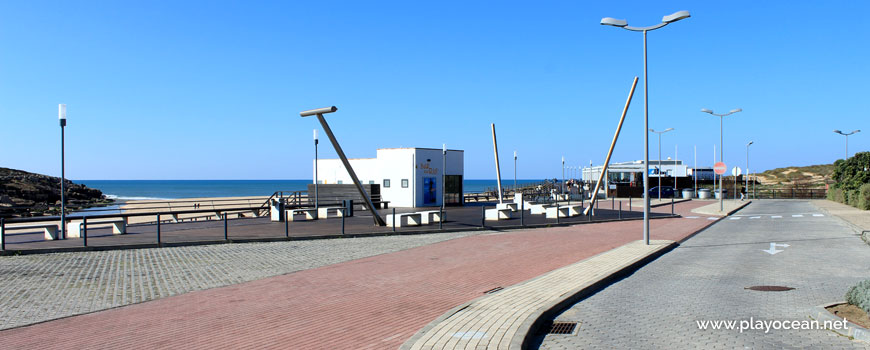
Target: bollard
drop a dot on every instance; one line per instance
(84, 231)
(557, 213)
(620, 210)
(342, 221)
(394, 219)
(441, 218)
(158, 231)
(286, 228)
(672, 205)
(226, 235)
(629, 201)
(482, 216)
(612, 203)
(3, 234)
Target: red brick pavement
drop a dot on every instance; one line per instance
(372, 303)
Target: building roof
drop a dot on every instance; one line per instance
(429, 149)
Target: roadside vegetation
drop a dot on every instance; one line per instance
(852, 181)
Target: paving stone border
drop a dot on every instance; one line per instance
(854, 331)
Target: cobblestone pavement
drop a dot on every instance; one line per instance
(704, 279)
(36, 288)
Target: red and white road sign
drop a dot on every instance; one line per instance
(720, 168)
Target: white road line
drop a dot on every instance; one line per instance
(776, 217)
(691, 217)
(755, 217)
(797, 216)
(734, 218)
(711, 218)
(818, 215)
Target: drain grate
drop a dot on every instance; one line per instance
(769, 288)
(563, 328)
(496, 289)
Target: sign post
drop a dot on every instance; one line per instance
(736, 172)
(719, 168)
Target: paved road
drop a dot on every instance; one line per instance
(376, 302)
(704, 279)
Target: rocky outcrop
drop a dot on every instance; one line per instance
(23, 189)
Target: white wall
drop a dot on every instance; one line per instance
(397, 164)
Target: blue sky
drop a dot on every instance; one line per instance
(213, 90)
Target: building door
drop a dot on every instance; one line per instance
(453, 190)
(430, 191)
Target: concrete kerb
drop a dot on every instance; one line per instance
(10, 252)
(713, 222)
(858, 229)
(821, 314)
(532, 325)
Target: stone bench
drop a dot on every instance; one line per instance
(511, 206)
(74, 227)
(323, 213)
(497, 214)
(537, 209)
(412, 219)
(431, 216)
(563, 212)
(49, 230)
(290, 214)
(574, 209)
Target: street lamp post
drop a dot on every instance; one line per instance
(623, 24)
(563, 176)
(515, 171)
(847, 140)
(747, 165)
(660, 158)
(721, 152)
(316, 198)
(61, 115)
(443, 175)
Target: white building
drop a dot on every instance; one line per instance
(408, 177)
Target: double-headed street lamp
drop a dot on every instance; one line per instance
(747, 165)
(660, 158)
(847, 140)
(624, 25)
(721, 152)
(61, 115)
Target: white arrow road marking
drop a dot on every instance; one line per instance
(776, 216)
(797, 215)
(773, 249)
(818, 215)
(755, 217)
(734, 218)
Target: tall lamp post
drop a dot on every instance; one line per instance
(61, 115)
(660, 158)
(624, 25)
(443, 175)
(316, 198)
(515, 171)
(721, 152)
(563, 175)
(747, 165)
(847, 140)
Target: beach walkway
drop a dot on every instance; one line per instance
(375, 302)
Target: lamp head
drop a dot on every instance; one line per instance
(324, 110)
(315, 134)
(444, 147)
(736, 110)
(838, 131)
(750, 142)
(706, 110)
(668, 129)
(856, 131)
(609, 21)
(515, 154)
(61, 111)
(676, 16)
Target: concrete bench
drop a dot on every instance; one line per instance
(497, 214)
(537, 209)
(431, 216)
(49, 230)
(74, 227)
(563, 212)
(511, 206)
(413, 219)
(323, 213)
(309, 214)
(574, 209)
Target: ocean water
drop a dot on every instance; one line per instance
(173, 189)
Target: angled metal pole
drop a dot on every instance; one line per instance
(497, 169)
(319, 113)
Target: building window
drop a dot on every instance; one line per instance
(371, 182)
(340, 182)
(386, 183)
(404, 183)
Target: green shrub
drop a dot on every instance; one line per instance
(852, 198)
(859, 295)
(836, 195)
(864, 197)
